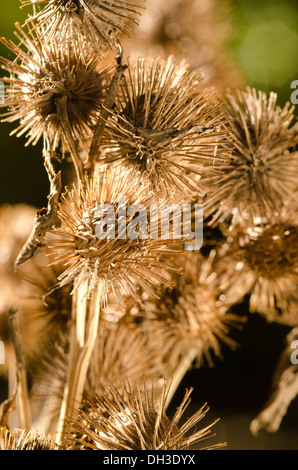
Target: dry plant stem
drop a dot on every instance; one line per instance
(61, 105)
(107, 106)
(22, 386)
(81, 347)
(73, 353)
(180, 372)
(46, 218)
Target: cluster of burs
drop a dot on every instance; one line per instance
(138, 104)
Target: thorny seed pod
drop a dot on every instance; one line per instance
(166, 126)
(262, 173)
(109, 236)
(122, 353)
(15, 228)
(43, 299)
(197, 31)
(132, 420)
(101, 21)
(22, 439)
(192, 317)
(264, 259)
(55, 87)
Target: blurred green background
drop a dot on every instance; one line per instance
(265, 45)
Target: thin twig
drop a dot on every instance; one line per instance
(46, 218)
(22, 386)
(6, 408)
(107, 106)
(80, 356)
(180, 372)
(61, 106)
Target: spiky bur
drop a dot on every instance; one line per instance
(262, 174)
(198, 32)
(120, 353)
(100, 21)
(108, 236)
(166, 127)
(44, 299)
(45, 308)
(130, 419)
(192, 317)
(15, 227)
(55, 87)
(22, 439)
(47, 382)
(265, 261)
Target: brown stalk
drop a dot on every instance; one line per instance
(107, 106)
(82, 341)
(46, 218)
(21, 376)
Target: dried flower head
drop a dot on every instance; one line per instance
(15, 227)
(121, 353)
(106, 236)
(22, 439)
(265, 261)
(192, 317)
(101, 21)
(166, 126)
(131, 420)
(263, 169)
(197, 31)
(48, 378)
(55, 87)
(43, 299)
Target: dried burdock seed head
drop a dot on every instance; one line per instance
(101, 21)
(15, 227)
(22, 439)
(130, 419)
(55, 87)
(121, 353)
(108, 236)
(166, 126)
(265, 261)
(48, 378)
(192, 318)
(44, 300)
(196, 31)
(263, 169)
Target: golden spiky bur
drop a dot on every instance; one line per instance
(22, 439)
(102, 21)
(192, 318)
(122, 352)
(55, 87)
(265, 261)
(198, 32)
(131, 419)
(15, 228)
(262, 174)
(125, 254)
(166, 126)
